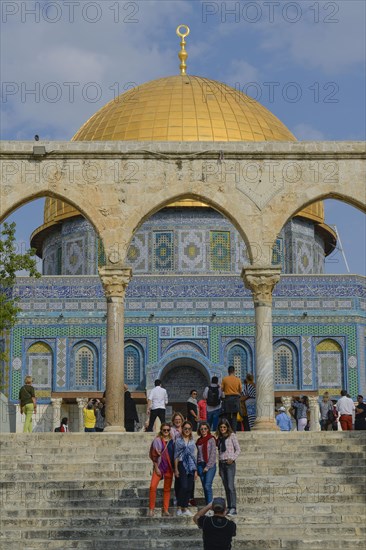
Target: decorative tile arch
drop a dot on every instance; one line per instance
(184, 346)
(39, 362)
(286, 364)
(330, 365)
(84, 366)
(239, 355)
(134, 364)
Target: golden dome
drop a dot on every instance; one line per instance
(177, 108)
(183, 108)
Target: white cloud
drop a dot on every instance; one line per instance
(305, 132)
(333, 40)
(241, 72)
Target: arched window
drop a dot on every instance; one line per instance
(329, 364)
(133, 365)
(238, 358)
(85, 366)
(39, 364)
(285, 365)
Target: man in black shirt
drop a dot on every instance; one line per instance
(360, 418)
(217, 530)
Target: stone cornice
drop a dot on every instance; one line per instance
(187, 150)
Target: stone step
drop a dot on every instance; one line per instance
(91, 491)
(119, 543)
(132, 518)
(253, 514)
(173, 528)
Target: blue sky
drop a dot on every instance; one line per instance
(304, 60)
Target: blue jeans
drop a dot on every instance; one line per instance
(227, 474)
(206, 480)
(89, 429)
(213, 419)
(186, 486)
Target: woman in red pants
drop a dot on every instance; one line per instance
(162, 456)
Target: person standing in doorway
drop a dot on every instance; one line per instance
(28, 403)
(156, 405)
(232, 388)
(192, 409)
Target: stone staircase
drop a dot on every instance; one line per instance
(90, 491)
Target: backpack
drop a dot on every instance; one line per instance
(331, 416)
(57, 429)
(213, 396)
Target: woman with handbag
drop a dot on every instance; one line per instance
(162, 456)
(28, 403)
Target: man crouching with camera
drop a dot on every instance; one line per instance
(217, 529)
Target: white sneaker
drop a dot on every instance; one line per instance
(187, 513)
(232, 512)
(179, 512)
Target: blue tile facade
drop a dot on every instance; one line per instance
(199, 316)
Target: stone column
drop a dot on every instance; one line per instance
(314, 414)
(286, 402)
(81, 401)
(115, 281)
(261, 282)
(56, 412)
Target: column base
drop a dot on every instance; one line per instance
(116, 429)
(265, 425)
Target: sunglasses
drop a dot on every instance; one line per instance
(204, 429)
(165, 430)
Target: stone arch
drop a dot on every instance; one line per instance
(231, 211)
(182, 373)
(299, 203)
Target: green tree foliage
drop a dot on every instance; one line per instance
(10, 263)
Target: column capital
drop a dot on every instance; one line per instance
(115, 280)
(56, 401)
(261, 281)
(82, 402)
